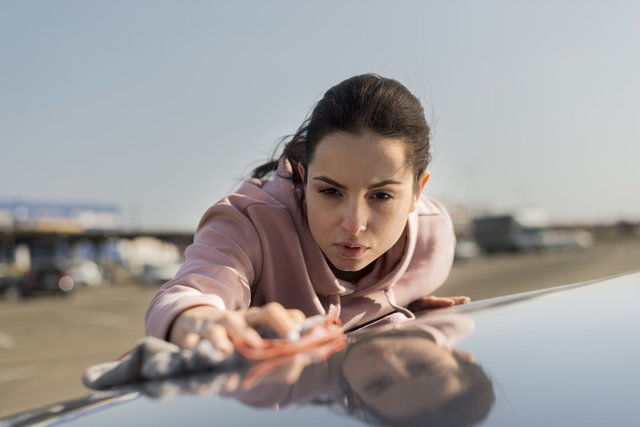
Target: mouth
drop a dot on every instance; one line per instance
(350, 250)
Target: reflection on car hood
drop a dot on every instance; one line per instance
(564, 356)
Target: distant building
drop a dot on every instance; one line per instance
(21, 216)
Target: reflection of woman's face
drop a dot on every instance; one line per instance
(401, 376)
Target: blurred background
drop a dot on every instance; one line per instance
(122, 121)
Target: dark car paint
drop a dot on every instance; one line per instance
(557, 357)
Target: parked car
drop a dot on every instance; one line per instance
(158, 273)
(60, 276)
(46, 276)
(11, 288)
(565, 356)
(507, 232)
(83, 271)
(9, 282)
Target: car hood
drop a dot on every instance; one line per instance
(562, 356)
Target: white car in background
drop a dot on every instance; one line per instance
(83, 271)
(158, 273)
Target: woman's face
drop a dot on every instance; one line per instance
(401, 376)
(359, 192)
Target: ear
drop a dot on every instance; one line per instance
(301, 171)
(422, 181)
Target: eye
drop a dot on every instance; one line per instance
(418, 367)
(329, 192)
(381, 195)
(378, 385)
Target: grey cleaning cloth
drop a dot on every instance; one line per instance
(153, 359)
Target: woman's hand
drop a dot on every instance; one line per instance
(218, 326)
(431, 301)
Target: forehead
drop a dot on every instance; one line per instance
(366, 155)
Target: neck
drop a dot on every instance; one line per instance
(350, 276)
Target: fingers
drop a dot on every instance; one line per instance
(236, 325)
(431, 302)
(197, 323)
(435, 302)
(185, 328)
(297, 316)
(285, 323)
(295, 369)
(461, 300)
(217, 335)
(221, 328)
(188, 340)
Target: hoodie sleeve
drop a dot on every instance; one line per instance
(220, 267)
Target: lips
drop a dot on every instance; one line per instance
(350, 250)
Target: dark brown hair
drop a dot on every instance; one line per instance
(361, 103)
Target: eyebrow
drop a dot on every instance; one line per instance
(342, 186)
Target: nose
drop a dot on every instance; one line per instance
(354, 219)
(395, 364)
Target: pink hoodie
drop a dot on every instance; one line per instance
(254, 247)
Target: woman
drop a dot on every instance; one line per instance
(336, 225)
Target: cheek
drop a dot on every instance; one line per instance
(391, 217)
(318, 215)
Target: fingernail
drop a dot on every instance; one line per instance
(252, 338)
(293, 335)
(225, 346)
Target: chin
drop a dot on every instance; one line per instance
(350, 266)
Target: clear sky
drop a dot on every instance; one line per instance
(162, 107)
